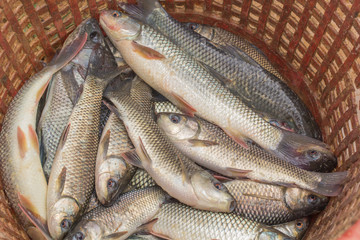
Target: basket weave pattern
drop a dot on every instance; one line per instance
(313, 44)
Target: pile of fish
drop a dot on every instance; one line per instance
(162, 130)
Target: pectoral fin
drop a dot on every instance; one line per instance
(116, 235)
(132, 158)
(202, 143)
(22, 143)
(183, 105)
(238, 173)
(146, 52)
(240, 140)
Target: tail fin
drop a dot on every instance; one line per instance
(117, 88)
(143, 10)
(305, 152)
(331, 184)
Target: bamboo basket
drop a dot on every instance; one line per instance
(314, 44)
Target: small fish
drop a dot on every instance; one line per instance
(295, 229)
(72, 175)
(271, 204)
(112, 172)
(209, 146)
(178, 221)
(195, 91)
(175, 173)
(141, 179)
(20, 165)
(130, 211)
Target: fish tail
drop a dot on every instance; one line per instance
(331, 184)
(118, 88)
(143, 10)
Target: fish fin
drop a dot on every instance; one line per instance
(239, 173)
(41, 91)
(42, 150)
(147, 227)
(33, 138)
(185, 176)
(225, 81)
(104, 144)
(132, 158)
(146, 52)
(202, 143)
(22, 143)
(238, 53)
(38, 222)
(331, 184)
(183, 105)
(143, 10)
(60, 181)
(118, 89)
(222, 178)
(294, 148)
(64, 137)
(237, 139)
(35, 233)
(116, 235)
(262, 197)
(143, 150)
(133, 10)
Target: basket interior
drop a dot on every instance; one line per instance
(315, 45)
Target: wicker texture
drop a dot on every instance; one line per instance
(314, 44)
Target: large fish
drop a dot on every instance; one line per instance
(271, 204)
(72, 175)
(123, 218)
(304, 122)
(186, 83)
(172, 171)
(112, 172)
(20, 166)
(141, 179)
(295, 229)
(177, 221)
(209, 146)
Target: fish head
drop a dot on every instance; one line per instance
(212, 195)
(320, 159)
(295, 229)
(86, 229)
(204, 30)
(269, 233)
(119, 26)
(109, 180)
(62, 215)
(300, 200)
(178, 126)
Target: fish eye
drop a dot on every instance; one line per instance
(93, 35)
(116, 14)
(313, 154)
(299, 225)
(312, 199)
(174, 118)
(78, 236)
(275, 123)
(218, 186)
(111, 183)
(65, 224)
(194, 26)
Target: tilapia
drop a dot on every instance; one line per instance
(187, 84)
(112, 172)
(172, 171)
(304, 123)
(271, 204)
(141, 179)
(20, 166)
(295, 229)
(177, 221)
(209, 146)
(123, 218)
(72, 176)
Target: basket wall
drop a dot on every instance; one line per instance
(314, 44)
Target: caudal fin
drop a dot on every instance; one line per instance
(305, 152)
(143, 10)
(331, 184)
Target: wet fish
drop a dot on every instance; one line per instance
(112, 172)
(209, 146)
(72, 176)
(123, 218)
(143, 237)
(177, 221)
(93, 203)
(141, 179)
(305, 122)
(271, 204)
(295, 229)
(20, 165)
(172, 171)
(187, 84)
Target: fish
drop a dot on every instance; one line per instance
(195, 91)
(178, 221)
(304, 123)
(72, 176)
(141, 179)
(20, 163)
(143, 237)
(118, 58)
(112, 172)
(210, 147)
(295, 229)
(272, 204)
(175, 173)
(93, 203)
(130, 211)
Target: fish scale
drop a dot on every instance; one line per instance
(141, 179)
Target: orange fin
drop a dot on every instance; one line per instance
(237, 139)
(116, 235)
(238, 173)
(23, 147)
(41, 91)
(132, 158)
(202, 143)
(222, 178)
(34, 139)
(148, 228)
(146, 52)
(183, 105)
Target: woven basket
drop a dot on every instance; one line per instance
(314, 44)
